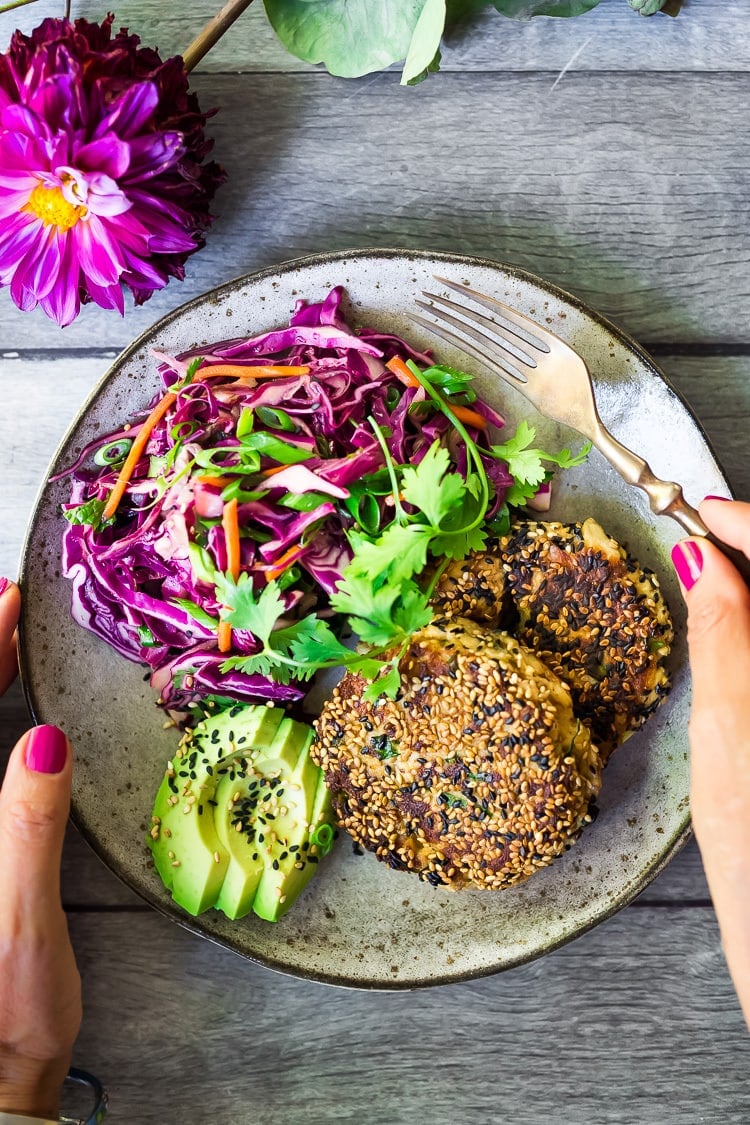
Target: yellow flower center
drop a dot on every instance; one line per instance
(50, 205)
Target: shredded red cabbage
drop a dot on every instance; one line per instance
(132, 577)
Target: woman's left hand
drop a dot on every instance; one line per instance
(40, 987)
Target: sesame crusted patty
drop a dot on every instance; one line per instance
(477, 774)
(596, 617)
(475, 588)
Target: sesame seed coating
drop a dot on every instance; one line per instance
(477, 774)
(596, 617)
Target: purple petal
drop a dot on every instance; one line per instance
(105, 197)
(19, 119)
(108, 154)
(153, 154)
(107, 296)
(20, 294)
(63, 303)
(130, 112)
(41, 264)
(52, 100)
(99, 257)
(16, 237)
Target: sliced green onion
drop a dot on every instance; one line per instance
(303, 501)
(392, 398)
(289, 577)
(245, 423)
(322, 838)
(113, 452)
(146, 637)
(183, 430)
(277, 419)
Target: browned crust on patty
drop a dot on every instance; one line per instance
(477, 774)
(596, 617)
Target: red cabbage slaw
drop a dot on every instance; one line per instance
(303, 461)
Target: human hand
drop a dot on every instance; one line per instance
(40, 988)
(718, 604)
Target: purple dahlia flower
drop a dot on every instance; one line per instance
(102, 175)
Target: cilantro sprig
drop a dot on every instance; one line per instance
(527, 464)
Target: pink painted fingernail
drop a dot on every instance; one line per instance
(716, 498)
(688, 562)
(46, 750)
(4, 584)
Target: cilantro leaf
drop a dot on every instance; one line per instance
(386, 684)
(430, 487)
(89, 513)
(246, 610)
(400, 552)
(526, 463)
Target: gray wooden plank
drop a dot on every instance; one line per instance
(633, 1024)
(630, 191)
(706, 36)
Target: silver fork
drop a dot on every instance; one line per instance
(557, 381)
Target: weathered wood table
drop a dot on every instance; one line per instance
(610, 155)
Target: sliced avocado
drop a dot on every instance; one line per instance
(188, 854)
(259, 809)
(292, 859)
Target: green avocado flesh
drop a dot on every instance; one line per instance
(235, 813)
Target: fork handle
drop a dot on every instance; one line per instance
(665, 497)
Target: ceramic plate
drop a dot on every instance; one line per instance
(359, 923)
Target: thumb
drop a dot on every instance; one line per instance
(34, 804)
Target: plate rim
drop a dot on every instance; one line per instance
(167, 908)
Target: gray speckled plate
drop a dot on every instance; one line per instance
(361, 924)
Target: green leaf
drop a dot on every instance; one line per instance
(400, 552)
(89, 513)
(423, 57)
(458, 544)
(431, 488)
(448, 379)
(246, 610)
(351, 37)
(526, 465)
(192, 369)
(312, 641)
(387, 684)
(525, 9)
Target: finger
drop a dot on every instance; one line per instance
(10, 608)
(729, 520)
(34, 805)
(718, 604)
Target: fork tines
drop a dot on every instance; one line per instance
(498, 339)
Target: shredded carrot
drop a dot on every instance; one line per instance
(134, 456)
(470, 417)
(225, 636)
(273, 471)
(282, 563)
(216, 482)
(236, 371)
(399, 368)
(231, 526)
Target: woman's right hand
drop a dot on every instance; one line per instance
(718, 604)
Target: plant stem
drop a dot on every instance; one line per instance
(211, 33)
(15, 4)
